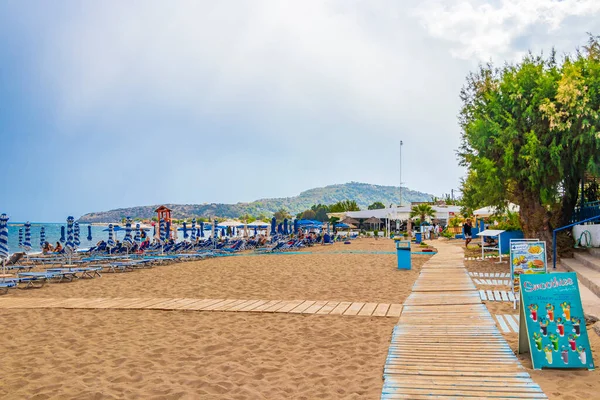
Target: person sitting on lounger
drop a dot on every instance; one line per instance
(58, 247)
(47, 248)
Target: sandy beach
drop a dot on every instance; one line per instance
(82, 354)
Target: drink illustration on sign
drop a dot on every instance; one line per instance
(553, 336)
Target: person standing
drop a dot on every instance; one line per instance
(467, 232)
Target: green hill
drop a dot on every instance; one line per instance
(363, 193)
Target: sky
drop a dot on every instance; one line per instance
(109, 104)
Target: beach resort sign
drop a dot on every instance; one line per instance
(551, 322)
(527, 256)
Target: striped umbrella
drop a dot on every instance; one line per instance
(76, 233)
(89, 236)
(201, 229)
(111, 240)
(193, 235)
(62, 234)
(3, 238)
(27, 242)
(42, 236)
(185, 234)
(70, 245)
(20, 237)
(162, 231)
(138, 234)
(167, 230)
(128, 240)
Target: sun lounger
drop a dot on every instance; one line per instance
(42, 275)
(7, 284)
(20, 268)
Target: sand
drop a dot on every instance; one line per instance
(556, 383)
(89, 354)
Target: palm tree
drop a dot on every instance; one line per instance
(422, 211)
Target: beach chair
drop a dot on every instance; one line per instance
(7, 284)
(15, 258)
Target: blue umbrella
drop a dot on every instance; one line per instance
(76, 235)
(89, 236)
(273, 226)
(62, 234)
(185, 234)
(111, 240)
(214, 228)
(295, 226)
(70, 245)
(27, 242)
(223, 232)
(255, 231)
(154, 233)
(168, 230)
(201, 229)
(161, 231)
(3, 238)
(128, 239)
(200, 232)
(328, 227)
(42, 236)
(20, 237)
(193, 234)
(280, 228)
(138, 234)
(285, 226)
(233, 231)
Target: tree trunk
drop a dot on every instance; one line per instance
(535, 220)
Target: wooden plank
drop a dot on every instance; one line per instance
(340, 308)
(228, 306)
(354, 308)
(504, 295)
(367, 309)
(243, 305)
(252, 307)
(513, 322)
(381, 310)
(273, 304)
(328, 307)
(315, 307)
(511, 296)
(490, 295)
(503, 326)
(201, 304)
(395, 310)
(289, 306)
(497, 295)
(300, 308)
(482, 294)
(219, 304)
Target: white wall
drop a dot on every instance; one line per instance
(594, 231)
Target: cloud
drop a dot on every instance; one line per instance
(479, 30)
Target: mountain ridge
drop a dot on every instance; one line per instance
(363, 193)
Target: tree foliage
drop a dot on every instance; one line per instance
(376, 206)
(282, 214)
(422, 211)
(344, 205)
(529, 133)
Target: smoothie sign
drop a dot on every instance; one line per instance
(526, 257)
(551, 322)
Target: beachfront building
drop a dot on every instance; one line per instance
(395, 217)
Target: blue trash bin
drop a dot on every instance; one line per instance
(403, 253)
(418, 237)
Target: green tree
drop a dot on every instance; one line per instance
(422, 211)
(376, 206)
(308, 214)
(344, 205)
(281, 215)
(529, 133)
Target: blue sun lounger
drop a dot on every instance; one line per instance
(8, 284)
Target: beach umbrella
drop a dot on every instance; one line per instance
(193, 234)
(223, 232)
(154, 233)
(62, 234)
(138, 234)
(201, 231)
(295, 227)
(89, 236)
(111, 240)
(42, 236)
(255, 231)
(273, 226)
(168, 230)
(128, 239)
(161, 231)
(70, 245)
(20, 237)
(3, 241)
(185, 234)
(280, 228)
(285, 226)
(76, 235)
(233, 231)
(27, 242)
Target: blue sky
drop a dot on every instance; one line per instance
(107, 104)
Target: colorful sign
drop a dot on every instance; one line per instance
(554, 328)
(526, 257)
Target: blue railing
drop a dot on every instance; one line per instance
(563, 228)
(589, 210)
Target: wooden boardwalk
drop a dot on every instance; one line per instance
(446, 343)
(322, 307)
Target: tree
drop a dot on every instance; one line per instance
(422, 211)
(281, 215)
(308, 214)
(344, 205)
(529, 133)
(376, 206)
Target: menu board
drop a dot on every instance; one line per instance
(552, 323)
(526, 257)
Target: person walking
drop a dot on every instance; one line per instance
(467, 232)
